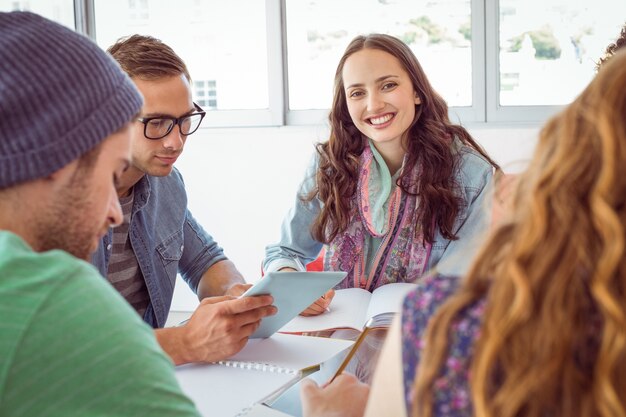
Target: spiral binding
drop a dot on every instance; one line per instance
(259, 366)
(244, 411)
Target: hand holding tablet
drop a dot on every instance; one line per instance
(293, 292)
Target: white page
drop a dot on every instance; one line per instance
(219, 390)
(291, 351)
(388, 298)
(347, 310)
(261, 410)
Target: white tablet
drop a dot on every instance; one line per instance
(293, 292)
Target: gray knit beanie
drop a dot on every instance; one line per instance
(60, 96)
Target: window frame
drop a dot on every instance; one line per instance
(485, 108)
(494, 111)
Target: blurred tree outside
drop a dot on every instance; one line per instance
(545, 43)
(434, 33)
(466, 30)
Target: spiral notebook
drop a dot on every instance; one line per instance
(261, 371)
(260, 410)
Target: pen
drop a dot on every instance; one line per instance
(368, 326)
(353, 350)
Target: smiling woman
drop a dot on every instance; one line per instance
(397, 188)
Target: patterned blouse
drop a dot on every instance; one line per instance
(452, 394)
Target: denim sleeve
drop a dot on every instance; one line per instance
(472, 226)
(296, 246)
(199, 254)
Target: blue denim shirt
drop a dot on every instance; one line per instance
(166, 240)
(452, 257)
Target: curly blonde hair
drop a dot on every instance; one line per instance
(553, 338)
(610, 50)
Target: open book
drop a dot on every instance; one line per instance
(261, 371)
(353, 308)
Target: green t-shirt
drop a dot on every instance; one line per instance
(71, 346)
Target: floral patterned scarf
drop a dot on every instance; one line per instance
(402, 255)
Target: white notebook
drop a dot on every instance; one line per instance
(261, 410)
(262, 370)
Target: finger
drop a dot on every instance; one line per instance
(313, 310)
(238, 289)
(243, 304)
(321, 303)
(246, 330)
(215, 300)
(256, 315)
(329, 294)
(308, 388)
(346, 378)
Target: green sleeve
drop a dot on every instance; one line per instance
(87, 353)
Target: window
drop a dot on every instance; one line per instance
(550, 48)
(318, 31)
(61, 11)
(223, 44)
(205, 94)
(548, 52)
(492, 60)
(138, 11)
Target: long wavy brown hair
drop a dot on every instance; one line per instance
(553, 338)
(428, 145)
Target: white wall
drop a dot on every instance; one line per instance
(241, 182)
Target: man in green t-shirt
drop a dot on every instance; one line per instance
(69, 344)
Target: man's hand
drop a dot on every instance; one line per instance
(238, 289)
(344, 397)
(218, 329)
(320, 305)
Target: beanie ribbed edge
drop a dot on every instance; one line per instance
(60, 96)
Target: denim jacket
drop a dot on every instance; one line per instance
(166, 240)
(453, 257)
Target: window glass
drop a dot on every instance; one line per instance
(205, 93)
(61, 11)
(224, 49)
(318, 31)
(549, 49)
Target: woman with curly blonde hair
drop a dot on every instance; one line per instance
(613, 47)
(538, 325)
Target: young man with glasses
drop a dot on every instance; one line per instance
(159, 237)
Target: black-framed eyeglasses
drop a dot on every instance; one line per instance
(158, 127)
